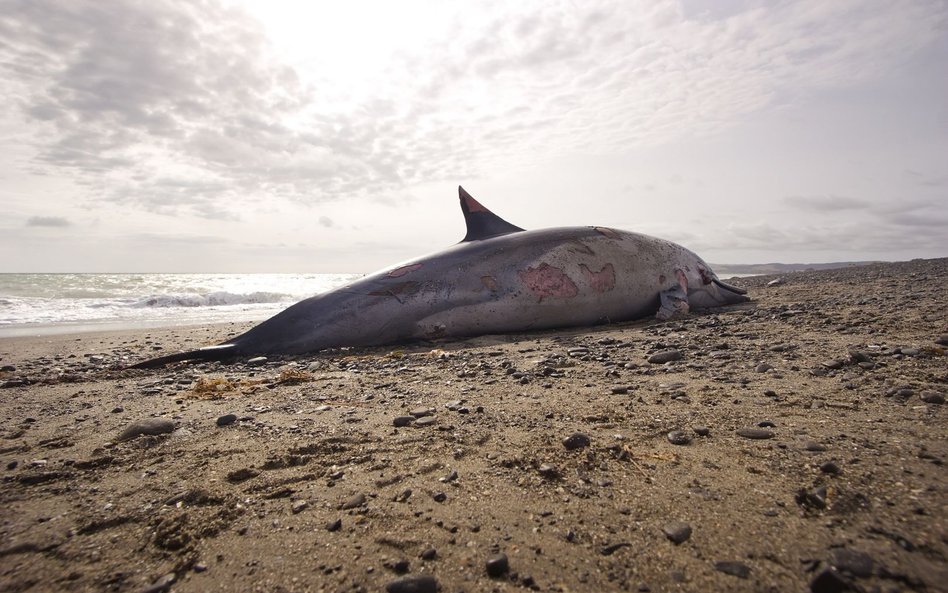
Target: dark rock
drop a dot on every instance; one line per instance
(702, 431)
(334, 525)
(755, 433)
(429, 554)
(401, 421)
(852, 562)
(299, 506)
(942, 340)
(830, 581)
(931, 397)
(550, 472)
(815, 499)
(426, 421)
(439, 496)
(830, 468)
(147, 427)
(416, 583)
(677, 531)
(763, 367)
(733, 568)
(663, 356)
(577, 440)
(814, 446)
(766, 424)
(227, 419)
(833, 364)
(421, 412)
(241, 475)
(613, 548)
(7, 368)
(679, 437)
(498, 566)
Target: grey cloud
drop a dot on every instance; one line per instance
(826, 203)
(326, 222)
(48, 221)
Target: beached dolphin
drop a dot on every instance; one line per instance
(499, 279)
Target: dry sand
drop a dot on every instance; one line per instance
(311, 486)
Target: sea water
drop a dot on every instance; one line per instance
(42, 304)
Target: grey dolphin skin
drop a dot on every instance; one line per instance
(499, 279)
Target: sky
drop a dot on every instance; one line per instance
(286, 136)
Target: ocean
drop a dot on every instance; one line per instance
(43, 304)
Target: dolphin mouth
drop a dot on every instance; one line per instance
(727, 286)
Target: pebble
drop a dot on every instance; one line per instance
(161, 585)
(931, 397)
(498, 566)
(830, 581)
(7, 368)
(833, 364)
(763, 367)
(420, 583)
(421, 412)
(257, 361)
(356, 501)
(679, 437)
(755, 433)
(855, 563)
(226, 419)
(548, 471)
(942, 340)
(830, 468)
(664, 356)
(439, 496)
(299, 506)
(702, 431)
(814, 446)
(733, 568)
(426, 421)
(911, 351)
(334, 525)
(677, 532)
(577, 440)
(401, 421)
(148, 426)
(429, 554)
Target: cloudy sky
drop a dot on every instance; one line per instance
(283, 136)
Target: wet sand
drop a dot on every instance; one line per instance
(794, 443)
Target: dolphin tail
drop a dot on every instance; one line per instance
(207, 354)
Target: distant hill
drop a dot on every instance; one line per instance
(775, 268)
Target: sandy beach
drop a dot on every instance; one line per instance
(794, 443)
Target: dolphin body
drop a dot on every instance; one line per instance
(498, 279)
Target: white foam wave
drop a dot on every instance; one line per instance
(214, 299)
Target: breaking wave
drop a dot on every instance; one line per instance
(214, 299)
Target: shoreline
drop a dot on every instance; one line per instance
(793, 443)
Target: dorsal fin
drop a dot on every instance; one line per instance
(481, 222)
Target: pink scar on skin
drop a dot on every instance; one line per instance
(489, 283)
(399, 272)
(547, 281)
(602, 281)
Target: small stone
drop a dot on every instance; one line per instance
(227, 419)
(416, 583)
(426, 421)
(429, 554)
(161, 585)
(755, 433)
(679, 437)
(118, 410)
(147, 427)
(421, 412)
(852, 562)
(677, 532)
(932, 397)
(830, 468)
(663, 356)
(766, 424)
(830, 581)
(257, 361)
(702, 431)
(334, 525)
(498, 566)
(299, 506)
(550, 472)
(7, 368)
(833, 364)
(577, 440)
(356, 501)
(401, 421)
(619, 390)
(763, 367)
(439, 496)
(942, 340)
(814, 446)
(733, 568)
(911, 351)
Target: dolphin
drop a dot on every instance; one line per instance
(499, 279)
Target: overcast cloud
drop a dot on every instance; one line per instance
(753, 131)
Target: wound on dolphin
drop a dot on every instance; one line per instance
(499, 279)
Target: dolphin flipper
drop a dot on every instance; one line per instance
(207, 354)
